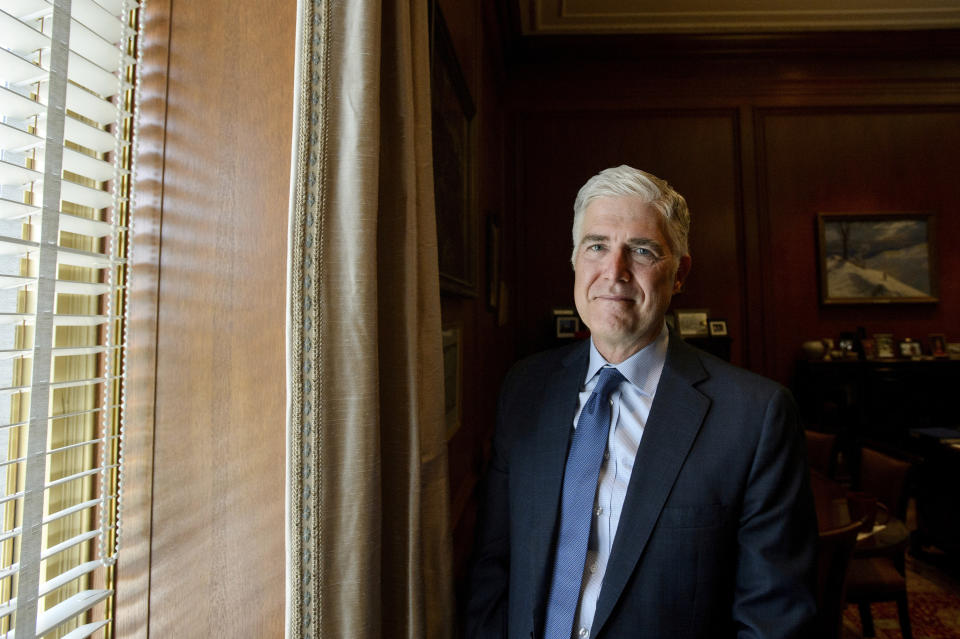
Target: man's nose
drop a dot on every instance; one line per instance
(618, 264)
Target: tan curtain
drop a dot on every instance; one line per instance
(369, 549)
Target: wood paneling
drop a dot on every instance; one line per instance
(758, 144)
(853, 160)
(216, 554)
(133, 575)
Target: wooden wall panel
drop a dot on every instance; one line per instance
(853, 160)
(759, 144)
(695, 150)
(133, 574)
(487, 345)
(217, 547)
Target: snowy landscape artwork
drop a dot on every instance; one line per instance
(876, 258)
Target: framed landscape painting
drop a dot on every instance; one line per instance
(877, 258)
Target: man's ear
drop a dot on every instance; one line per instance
(683, 269)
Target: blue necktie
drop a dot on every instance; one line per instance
(576, 508)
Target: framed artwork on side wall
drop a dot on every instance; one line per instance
(452, 127)
(877, 258)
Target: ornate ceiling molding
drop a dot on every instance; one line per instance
(596, 17)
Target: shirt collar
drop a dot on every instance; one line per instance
(642, 369)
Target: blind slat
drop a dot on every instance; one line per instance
(79, 603)
(14, 139)
(68, 576)
(70, 543)
(19, 36)
(66, 512)
(86, 630)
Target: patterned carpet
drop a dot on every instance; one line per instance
(933, 591)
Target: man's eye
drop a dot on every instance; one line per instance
(595, 248)
(645, 253)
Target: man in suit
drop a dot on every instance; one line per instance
(690, 513)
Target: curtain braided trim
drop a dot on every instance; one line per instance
(304, 496)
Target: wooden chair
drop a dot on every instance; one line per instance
(882, 578)
(834, 550)
(821, 451)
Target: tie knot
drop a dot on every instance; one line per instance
(610, 378)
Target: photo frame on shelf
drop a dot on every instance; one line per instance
(884, 343)
(910, 349)
(453, 164)
(566, 322)
(567, 326)
(938, 344)
(693, 322)
(718, 328)
(877, 258)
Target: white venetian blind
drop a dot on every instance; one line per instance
(68, 71)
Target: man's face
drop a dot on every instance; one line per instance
(626, 274)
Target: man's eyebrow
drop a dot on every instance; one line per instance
(645, 241)
(594, 238)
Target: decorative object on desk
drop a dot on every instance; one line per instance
(453, 165)
(847, 345)
(718, 328)
(813, 349)
(953, 350)
(884, 345)
(869, 346)
(869, 258)
(938, 344)
(452, 376)
(910, 349)
(693, 322)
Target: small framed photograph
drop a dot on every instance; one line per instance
(718, 328)
(953, 350)
(693, 322)
(910, 348)
(567, 326)
(869, 347)
(938, 344)
(884, 343)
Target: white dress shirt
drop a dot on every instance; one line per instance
(630, 408)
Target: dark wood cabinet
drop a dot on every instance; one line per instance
(878, 399)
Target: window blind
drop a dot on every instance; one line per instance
(68, 119)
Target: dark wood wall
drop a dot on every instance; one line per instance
(488, 342)
(204, 490)
(759, 144)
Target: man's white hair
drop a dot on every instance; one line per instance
(624, 180)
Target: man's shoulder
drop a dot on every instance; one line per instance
(722, 372)
(540, 365)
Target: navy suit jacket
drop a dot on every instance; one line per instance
(717, 537)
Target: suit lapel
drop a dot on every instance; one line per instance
(675, 418)
(554, 426)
